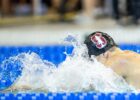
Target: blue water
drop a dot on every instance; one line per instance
(55, 54)
(11, 70)
(51, 53)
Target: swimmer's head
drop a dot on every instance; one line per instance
(98, 43)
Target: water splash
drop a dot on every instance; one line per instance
(76, 73)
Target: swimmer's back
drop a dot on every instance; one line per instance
(127, 64)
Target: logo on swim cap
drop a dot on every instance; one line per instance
(99, 40)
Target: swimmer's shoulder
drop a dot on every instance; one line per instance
(130, 52)
(125, 53)
(131, 55)
(118, 50)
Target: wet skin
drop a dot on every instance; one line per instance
(124, 63)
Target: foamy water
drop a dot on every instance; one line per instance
(77, 73)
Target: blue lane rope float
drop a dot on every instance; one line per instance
(70, 96)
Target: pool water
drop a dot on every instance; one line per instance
(55, 55)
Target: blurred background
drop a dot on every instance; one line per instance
(41, 25)
(41, 22)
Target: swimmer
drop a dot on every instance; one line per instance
(125, 63)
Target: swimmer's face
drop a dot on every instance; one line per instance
(102, 56)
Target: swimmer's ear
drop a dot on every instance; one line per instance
(106, 54)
